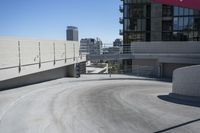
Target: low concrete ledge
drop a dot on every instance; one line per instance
(186, 81)
(56, 73)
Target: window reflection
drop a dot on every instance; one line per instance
(175, 24)
(185, 25)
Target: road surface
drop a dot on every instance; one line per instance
(96, 104)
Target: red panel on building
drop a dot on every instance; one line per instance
(194, 4)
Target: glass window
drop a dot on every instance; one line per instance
(167, 10)
(167, 25)
(127, 24)
(186, 11)
(181, 11)
(191, 23)
(143, 24)
(180, 24)
(186, 20)
(125, 10)
(167, 36)
(197, 24)
(191, 12)
(175, 11)
(175, 25)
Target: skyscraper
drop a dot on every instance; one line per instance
(72, 33)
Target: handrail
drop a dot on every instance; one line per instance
(11, 67)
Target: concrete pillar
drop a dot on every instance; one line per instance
(66, 71)
(83, 68)
(156, 25)
(70, 71)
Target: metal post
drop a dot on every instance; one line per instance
(54, 54)
(81, 55)
(19, 55)
(109, 68)
(65, 53)
(39, 55)
(74, 51)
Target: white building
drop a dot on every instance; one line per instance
(91, 46)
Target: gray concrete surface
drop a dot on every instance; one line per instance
(186, 81)
(96, 104)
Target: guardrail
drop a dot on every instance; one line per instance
(150, 50)
(112, 53)
(18, 53)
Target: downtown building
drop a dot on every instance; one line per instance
(162, 37)
(91, 46)
(72, 33)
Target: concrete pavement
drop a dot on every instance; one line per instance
(96, 104)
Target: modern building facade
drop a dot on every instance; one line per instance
(91, 46)
(144, 21)
(72, 33)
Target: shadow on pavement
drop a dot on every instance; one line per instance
(177, 126)
(195, 102)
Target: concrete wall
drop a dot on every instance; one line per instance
(166, 47)
(168, 69)
(169, 56)
(29, 50)
(20, 57)
(156, 22)
(147, 68)
(186, 81)
(83, 68)
(67, 71)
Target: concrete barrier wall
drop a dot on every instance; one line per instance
(186, 81)
(31, 51)
(20, 57)
(166, 47)
(60, 72)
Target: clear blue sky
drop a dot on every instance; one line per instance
(47, 19)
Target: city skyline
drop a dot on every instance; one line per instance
(48, 19)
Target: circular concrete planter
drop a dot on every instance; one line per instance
(186, 81)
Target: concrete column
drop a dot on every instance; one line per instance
(83, 68)
(156, 22)
(71, 70)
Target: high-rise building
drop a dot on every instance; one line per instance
(146, 21)
(72, 33)
(170, 26)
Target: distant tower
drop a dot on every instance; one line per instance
(72, 33)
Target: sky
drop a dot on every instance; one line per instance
(48, 19)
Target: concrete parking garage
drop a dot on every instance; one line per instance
(97, 104)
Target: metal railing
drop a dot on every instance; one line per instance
(112, 53)
(18, 54)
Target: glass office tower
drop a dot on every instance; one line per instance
(146, 21)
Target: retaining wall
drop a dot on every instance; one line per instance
(186, 81)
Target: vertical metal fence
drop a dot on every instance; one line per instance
(20, 53)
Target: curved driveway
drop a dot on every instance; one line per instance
(95, 104)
